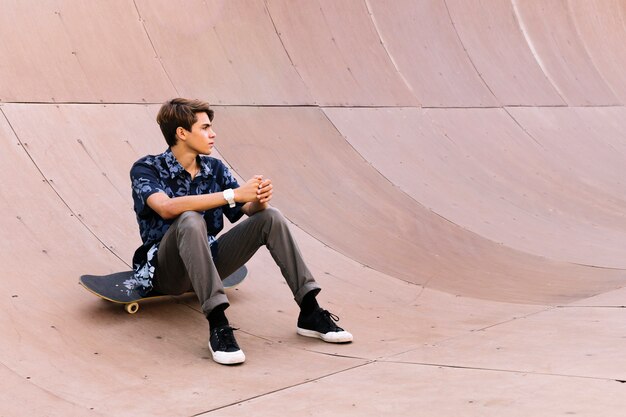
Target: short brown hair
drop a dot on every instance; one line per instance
(180, 112)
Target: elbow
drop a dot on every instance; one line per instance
(167, 212)
(167, 215)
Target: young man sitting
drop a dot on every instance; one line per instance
(180, 198)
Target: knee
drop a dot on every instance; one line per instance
(191, 221)
(272, 215)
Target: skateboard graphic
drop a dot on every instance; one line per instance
(112, 287)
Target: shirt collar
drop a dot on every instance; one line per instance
(175, 168)
(205, 169)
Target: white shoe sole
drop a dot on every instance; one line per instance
(330, 337)
(228, 358)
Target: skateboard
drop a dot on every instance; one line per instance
(111, 287)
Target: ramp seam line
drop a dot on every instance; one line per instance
(280, 39)
(74, 214)
(608, 85)
(526, 132)
(157, 55)
(480, 329)
(336, 46)
(591, 306)
(386, 49)
(533, 50)
(317, 106)
(47, 391)
(283, 389)
(513, 371)
(467, 54)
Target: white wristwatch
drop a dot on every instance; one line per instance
(229, 196)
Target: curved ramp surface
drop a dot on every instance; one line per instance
(453, 171)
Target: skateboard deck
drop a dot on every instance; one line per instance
(112, 287)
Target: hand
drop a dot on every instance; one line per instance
(264, 193)
(248, 192)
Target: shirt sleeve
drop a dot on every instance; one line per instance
(226, 180)
(145, 182)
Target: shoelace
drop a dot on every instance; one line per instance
(330, 318)
(226, 338)
(329, 315)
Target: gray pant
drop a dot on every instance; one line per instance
(185, 262)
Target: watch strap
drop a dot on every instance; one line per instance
(229, 196)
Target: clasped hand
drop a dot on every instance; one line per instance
(256, 189)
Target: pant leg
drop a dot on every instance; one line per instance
(270, 228)
(184, 262)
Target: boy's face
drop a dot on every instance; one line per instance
(201, 138)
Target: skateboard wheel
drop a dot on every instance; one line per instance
(131, 308)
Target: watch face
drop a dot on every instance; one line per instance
(229, 195)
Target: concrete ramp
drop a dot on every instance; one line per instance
(453, 171)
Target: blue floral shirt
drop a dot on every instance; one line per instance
(163, 173)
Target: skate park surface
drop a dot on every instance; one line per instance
(452, 170)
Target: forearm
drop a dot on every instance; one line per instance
(254, 196)
(253, 207)
(170, 208)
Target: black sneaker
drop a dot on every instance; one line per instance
(321, 324)
(224, 347)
